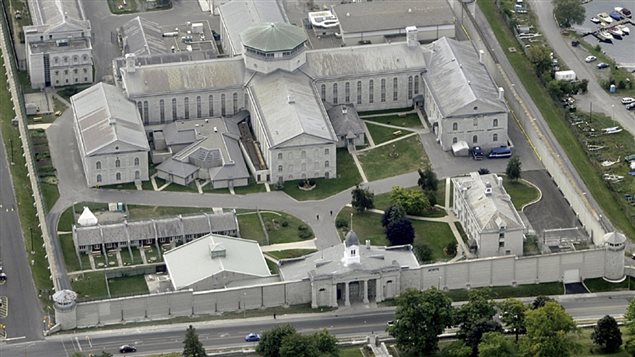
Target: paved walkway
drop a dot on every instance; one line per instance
(305, 244)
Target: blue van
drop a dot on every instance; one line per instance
(500, 152)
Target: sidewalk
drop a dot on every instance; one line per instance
(306, 244)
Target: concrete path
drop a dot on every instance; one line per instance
(358, 165)
(387, 142)
(39, 126)
(448, 192)
(305, 244)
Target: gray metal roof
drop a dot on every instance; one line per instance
(328, 262)
(491, 211)
(273, 37)
(237, 15)
(388, 15)
(172, 78)
(369, 60)
(143, 37)
(53, 12)
(107, 121)
(290, 108)
(345, 120)
(177, 168)
(459, 83)
(193, 262)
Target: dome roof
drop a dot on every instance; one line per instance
(615, 238)
(273, 37)
(351, 239)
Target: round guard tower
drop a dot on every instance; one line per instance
(615, 243)
(65, 309)
(272, 46)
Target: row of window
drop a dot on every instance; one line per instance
(137, 176)
(303, 167)
(76, 80)
(57, 72)
(143, 108)
(302, 154)
(303, 176)
(455, 126)
(475, 139)
(413, 89)
(56, 59)
(117, 163)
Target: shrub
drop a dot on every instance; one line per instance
(341, 223)
(284, 223)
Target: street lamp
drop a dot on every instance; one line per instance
(244, 305)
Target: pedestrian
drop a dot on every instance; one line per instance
(318, 217)
(331, 213)
(274, 315)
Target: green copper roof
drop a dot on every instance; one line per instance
(273, 37)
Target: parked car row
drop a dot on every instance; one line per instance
(477, 153)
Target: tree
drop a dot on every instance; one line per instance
(192, 346)
(548, 332)
(475, 318)
(421, 316)
(583, 86)
(607, 334)
(568, 12)
(423, 252)
(540, 301)
(629, 317)
(414, 202)
(483, 171)
(296, 345)
(629, 346)
(540, 56)
(326, 343)
(400, 232)
(392, 214)
(428, 180)
(271, 340)
(457, 349)
(450, 249)
(513, 315)
(495, 344)
(363, 199)
(477, 330)
(513, 168)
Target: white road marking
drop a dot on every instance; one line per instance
(79, 345)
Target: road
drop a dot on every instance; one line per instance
(219, 334)
(24, 319)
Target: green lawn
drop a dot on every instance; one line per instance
(138, 212)
(553, 115)
(253, 187)
(437, 235)
(117, 7)
(367, 225)
(502, 292)
(520, 192)
(407, 121)
(68, 250)
(90, 286)
(290, 253)
(382, 201)
(347, 177)
(350, 352)
(401, 157)
(66, 221)
(128, 285)
(459, 227)
(50, 193)
(598, 285)
(250, 227)
(278, 233)
(273, 267)
(382, 134)
(136, 257)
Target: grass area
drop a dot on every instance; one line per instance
(381, 134)
(67, 92)
(553, 115)
(407, 121)
(437, 235)
(250, 227)
(67, 220)
(284, 228)
(90, 286)
(350, 352)
(382, 201)
(23, 190)
(136, 257)
(290, 253)
(138, 212)
(152, 254)
(119, 7)
(273, 267)
(588, 348)
(68, 250)
(347, 177)
(401, 157)
(520, 192)
(502, 292)
(253, 187)
(367, 225)
(459, 227)
(50, 194)
(127, 285)
(386, 111)
(598, 285)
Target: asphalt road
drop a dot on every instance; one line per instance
(24, 317)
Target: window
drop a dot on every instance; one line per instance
(395, 89)
(495, 137)
(323, 92)
(210, 105)
(145, 112)
(416, 85)
(75, 71)
(235, 102)
(84, 58)
(137, 175)
(136, 161)
(85, 70)
(65, 59)
(98, 178)
(359, 92)
(371, 89)
(222, 104)
(173, 109)
(198, 106)
(162, 110)
(98, 165)
(118, 176)
(383, 90)
(455, 126)
(56, 60)
(279, 168)
(326, 151)
(495, 123)
(475, 139)
(334, 93)
(57, 72)
(75, 58)
(140, 108)
(279, 156)
(409, 87)
(327, 175)
(117, 163)
(347, 92)
(186, 108)
(475, 122)
(454, 140)
(326, 163)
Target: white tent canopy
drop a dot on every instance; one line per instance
(87, 218)
(460, 148)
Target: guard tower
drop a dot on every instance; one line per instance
(65, 309)
(614, 243)
(273, 46)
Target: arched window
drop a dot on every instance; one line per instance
(118, 176)
(222, 104)
(395, 89)
(326, 163)
(137, 175)
(198, 106)
(173, 109)
(409, 87)
(455, 126)
(235, 102)
(495, 137)
(98, 165)
(210, 105)
(495, 123)
(98, 178)
(117, 163)
(475, 139)
(347, 92)
(359, 92)
(371, 91)
(136, 161)
(186, 108)
(416, 84)
(279, 156)
(279, 168)
(454, 140)
(162, 110)
(323, 92)
(382, 87)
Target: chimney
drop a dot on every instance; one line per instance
(480, 56)
(488, 189)
(130, 63)
(501, 93)
(290, 99)
(500, 181)
(344, 109)
(367, 244)
(411, 36)
(215, 129)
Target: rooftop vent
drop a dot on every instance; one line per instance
(290, 99)
(215, 129)
(488, 189)
(344, 109)
(217, 250)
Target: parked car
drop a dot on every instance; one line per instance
(602, 65)
(590, 59)
(500, 152)
(477, 153)
(628, 100)
(252, 337)
(630, 106)
(127, 349)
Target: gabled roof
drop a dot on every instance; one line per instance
(345, 120)
(273, 37)
(288, 105)
(194, 262)
(52, 12)
(105, 118)
(459, 83)
(143, 37)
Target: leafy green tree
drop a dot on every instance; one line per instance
(607, 334)
(568, 12)
(450, 249)
(296, 345)
(192, 347)
(421, 316)
(495, 344)
(629, 346)
(540, 301)
(549, 330)
(513, 170)
(326, 343)
(271, 340)
(456, 349)
(513, 315)
(540, 56)
(428, 180)
(414, 202)
(629, 317)
(392, 214)
(363, 199)
(473, 317)
(477, 329)
(400, 232)
(423, 252)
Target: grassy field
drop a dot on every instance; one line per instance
(250, 227)
(382, 134)
(401, 157)
(437, 235)
(50, 194)
(117, 7)
(90, 286)
(367, 225)
(253, 187)
(273, 267)
(502, 292)
(68, 250)
(407, 121)
(137, 212)
(520, 192)
(278, 232)
(600, 285)
(350, 352)
(290, 253)
(347, 177)
(129, 285)
(554, 118)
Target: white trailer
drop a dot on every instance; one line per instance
(565, 76)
